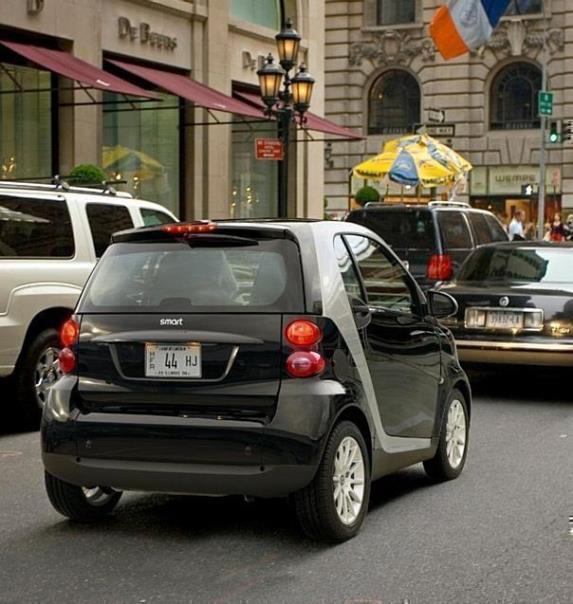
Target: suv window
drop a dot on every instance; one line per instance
(413, 229)
(105, 220)
(385, 281)
(35, 228)
(455, 231)
(154, 217)
(498, 233)
(173, 277)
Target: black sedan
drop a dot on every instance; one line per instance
(515, 304)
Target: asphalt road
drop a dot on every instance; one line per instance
(500, 533)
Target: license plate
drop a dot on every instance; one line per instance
(173, 361)
(497, 319)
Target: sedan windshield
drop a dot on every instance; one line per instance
(519, 265)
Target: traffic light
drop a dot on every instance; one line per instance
(554, 134)
(568, 132)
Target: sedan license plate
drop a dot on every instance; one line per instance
(173, 361)
(497, 319)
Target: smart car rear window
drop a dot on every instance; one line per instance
(175, 277)
(413, 229)
(35, 228)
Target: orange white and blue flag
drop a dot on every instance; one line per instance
(465, 25)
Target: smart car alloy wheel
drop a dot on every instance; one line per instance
(348, 480)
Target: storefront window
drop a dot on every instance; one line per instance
(141, 146)
(255, 181)
(259, 12)
(25, 123)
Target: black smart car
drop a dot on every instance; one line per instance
(515, 304)
(434, 239)
(263, 359)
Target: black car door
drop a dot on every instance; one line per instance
(402, 346)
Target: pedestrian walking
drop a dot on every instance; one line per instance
(516, 232)
(558, 232)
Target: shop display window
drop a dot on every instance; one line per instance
(142, 148)
(25, 123)
(254, 181)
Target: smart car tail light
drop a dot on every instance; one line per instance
(67, 360)
(440, 267)
(305, 363)
(69, 333)
(303, 334)
(190, 228)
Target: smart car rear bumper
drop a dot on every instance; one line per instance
(516, 353)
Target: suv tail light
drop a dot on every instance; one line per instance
(304, 336)
(440, 267)
(69, 336)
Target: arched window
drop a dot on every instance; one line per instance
(394, 103)
(259, 12)
(514, 97)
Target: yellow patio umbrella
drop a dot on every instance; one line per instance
(415, 160)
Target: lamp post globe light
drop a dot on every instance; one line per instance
(286, 99)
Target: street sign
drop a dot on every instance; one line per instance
(545, 103)
(527, 190)
(269, 148)
(438, 131)
(438, 116)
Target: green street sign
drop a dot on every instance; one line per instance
(545, 103)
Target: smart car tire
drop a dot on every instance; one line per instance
(332, 508)
(450, 457)
(80, 504)
(37, 369)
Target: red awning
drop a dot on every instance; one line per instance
(65, 64)
(190, 90)
(313, 122)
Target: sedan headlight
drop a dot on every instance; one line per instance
(533, 320)
(475, 318)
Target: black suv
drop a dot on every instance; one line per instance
(261, 359)
(433, 240)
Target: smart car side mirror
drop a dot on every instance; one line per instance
(361, 311)
(442, 305)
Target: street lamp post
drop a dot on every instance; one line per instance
(287, 103)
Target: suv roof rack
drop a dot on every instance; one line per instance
(453, 204)
(60, 184)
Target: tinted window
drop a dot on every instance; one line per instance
(399, 229)
(173, 277)
(385, 281)
(519, 265)
(35, 228)
(454, 230)
(347, 269)
(105, 220)
(481, 228)
(498, 233)
(154, 217)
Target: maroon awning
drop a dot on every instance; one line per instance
(65, 64)
(313, 121)
(188, 89)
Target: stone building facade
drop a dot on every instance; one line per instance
(198, 163)
(383, 75)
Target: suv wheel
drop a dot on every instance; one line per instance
(450, 457)
(333, 506)
(37, 371)
(82, 504)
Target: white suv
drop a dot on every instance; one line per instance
(50, 239)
